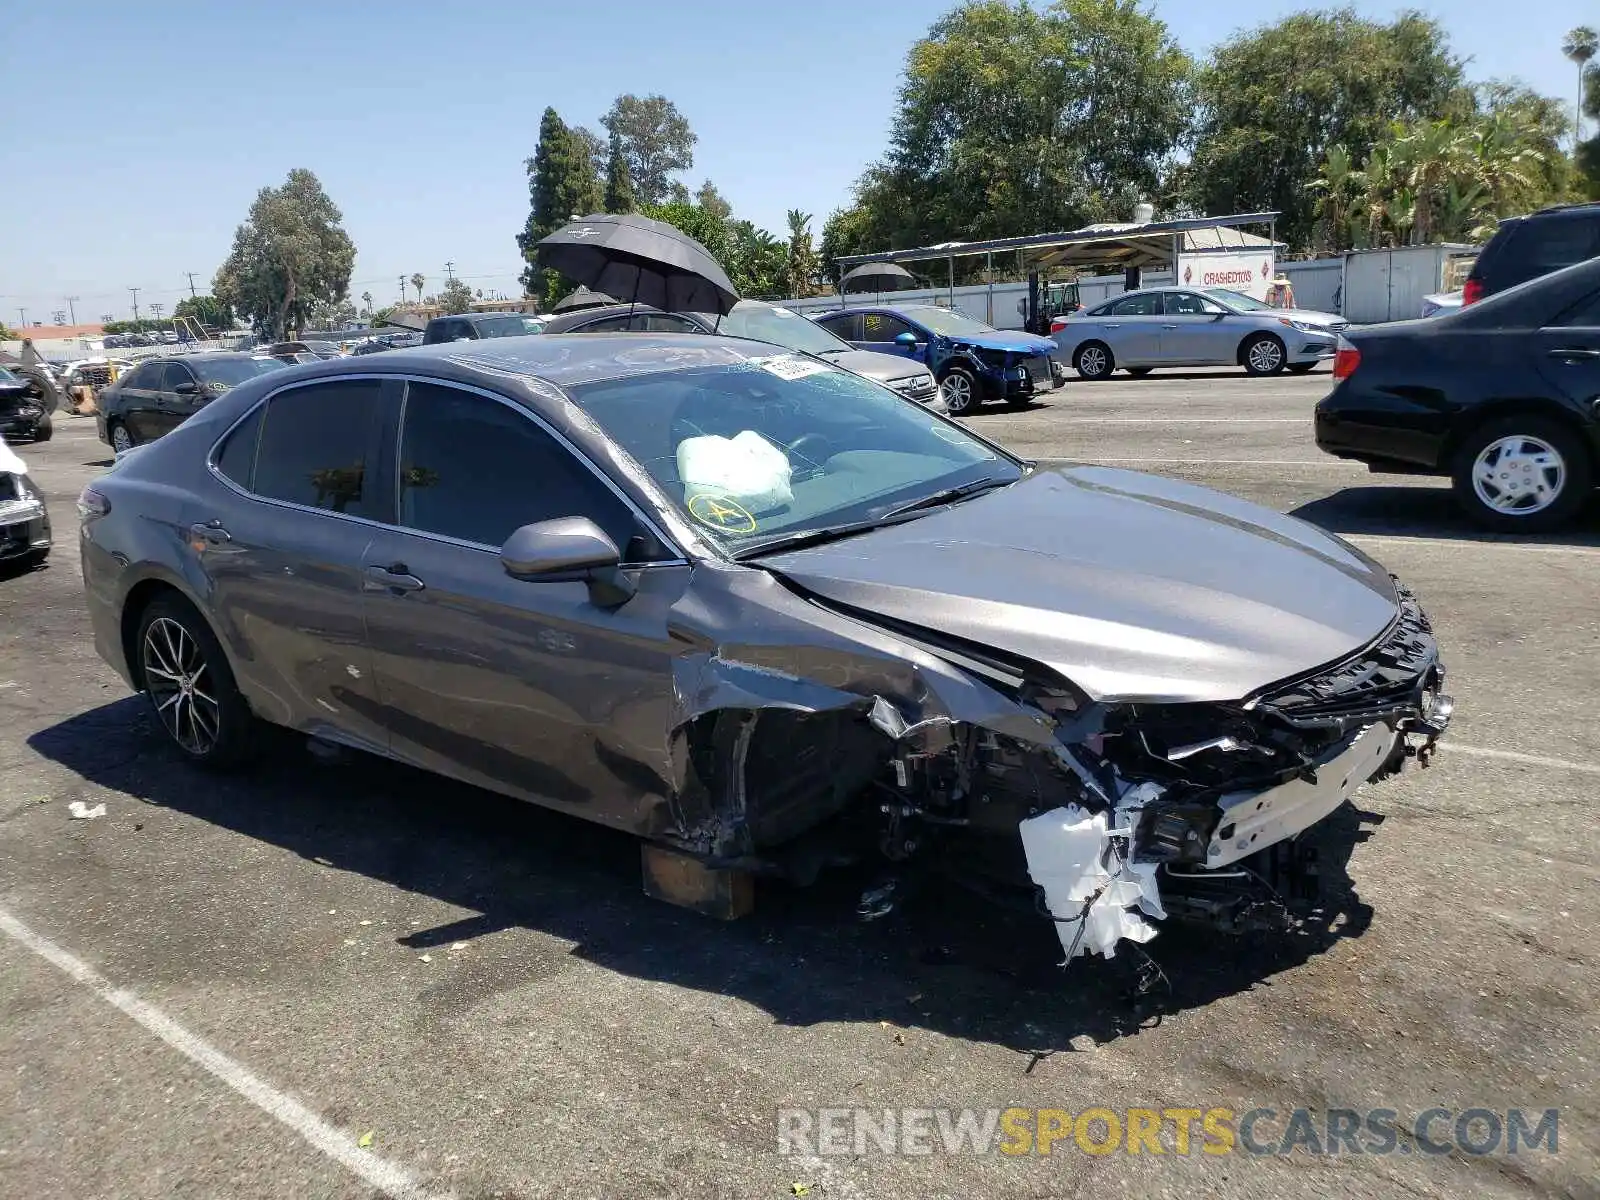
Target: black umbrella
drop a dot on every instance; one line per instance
(877, 277)
(582, 298)
(639, 261)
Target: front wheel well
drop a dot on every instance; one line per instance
(1244, 344)
(144, 594)
(1546, 409)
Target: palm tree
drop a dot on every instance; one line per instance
(366, 298)
(1580, 45)
(1338, 182)
(802, 259)
(417, 281)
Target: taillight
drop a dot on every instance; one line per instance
(1346, 358)
(1472, 291)
(92, 504)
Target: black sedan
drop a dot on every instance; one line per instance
(161, 393)
(1502, 396)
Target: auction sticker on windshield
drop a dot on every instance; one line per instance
(790, 366)
(722, 513)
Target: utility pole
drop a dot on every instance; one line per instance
(191, 275)
(135, 292)
(71, 309)
(402, 289)
(155, 310)
(450, 272)
(24, 314)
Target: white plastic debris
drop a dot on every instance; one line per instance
(10, 464)
(79, 811)
(1095, 891)
(746, 469)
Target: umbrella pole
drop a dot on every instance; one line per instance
(637, 272)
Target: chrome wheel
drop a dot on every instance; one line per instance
(179, 682)
(121, 439)
(1093, 362)
(1265, 356)
(1518, 475)
(957, 391)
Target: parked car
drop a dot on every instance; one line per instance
(1500, 396)
(388, 341)
(1195, 327)
(764, 615)
(971, 361)
(161, 393)
(25, 405)
(24, 519)
(1441, 302)
(1524, 248)
(471, 326)
(761, 322)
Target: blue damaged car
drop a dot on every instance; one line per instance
(973, 362)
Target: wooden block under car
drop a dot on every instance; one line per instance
(681, 880)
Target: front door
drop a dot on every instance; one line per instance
(526, 687)
(880, 331)
(1568, 355)
(176, 403)
(1195, 331)
(282, 552)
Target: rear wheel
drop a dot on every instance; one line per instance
(121, 440)
(1522, 474)
(959, 388)
(1262, 355)
(43, 431)
(1094, 361)
(190, 685)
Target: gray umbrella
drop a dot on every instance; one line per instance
(582, 298)
(877, 277)
(639, 260)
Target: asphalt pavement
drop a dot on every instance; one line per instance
(353, 979)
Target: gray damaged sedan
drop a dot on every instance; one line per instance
(767, 616)
(1195, 327)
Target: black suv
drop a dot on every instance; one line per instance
(479, 325)
(1525, 248)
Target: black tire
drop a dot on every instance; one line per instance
(208, 720)
(1553, 493)
(961, 391)
(44, 430)
(1138, 372)
(1300, 368)
(115, 427)
(1262, 354)
(1094, 360)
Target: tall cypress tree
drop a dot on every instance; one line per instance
(562, 182)
(619, 183)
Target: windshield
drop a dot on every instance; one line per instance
(785, 445)
(7, 377)
(950, 324)
(769, 323)
(507, 326)
(231, 372)
(1238, 300)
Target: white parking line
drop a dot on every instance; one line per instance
(1532, 760)
(1458, 543)
(1165, 419)
(1228, 462)
(389, 1178)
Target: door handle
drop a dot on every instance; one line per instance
(393, 578)
(1113, 325)
(1169, 327)
(210, 531)
(1575, 354)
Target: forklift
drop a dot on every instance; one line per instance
(1048, 300)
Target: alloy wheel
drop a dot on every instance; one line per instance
(1092, 362)
(178, 679)
(121, 439)
(1518, 475)
(957, 392)
(1265, 356)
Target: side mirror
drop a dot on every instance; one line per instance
(569, 548)
(907, 340)
(187, 388)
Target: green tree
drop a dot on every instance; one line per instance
(711, 200)
(290, 253)
(417, 280)
(657, 141)
(1013, 119)
(760, 262)
(710, 230)
(381, 317)
(456, 297)
(619, 196)
(366, 298)
(1273, 101)
(802, 262)
(561, 182)
(208, 311)
(5, 334)
(1580, 45)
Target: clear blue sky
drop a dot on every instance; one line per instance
(137, 134)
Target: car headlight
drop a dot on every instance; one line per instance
(1303, 326)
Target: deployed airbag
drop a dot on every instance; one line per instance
(746, 469)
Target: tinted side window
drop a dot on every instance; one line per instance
(1147, 305)
(145, 375)
(845, 325)
(237, 458)
(476, 469)
(666, 323)
(314, 443)
(605, 325)
(883, 327)
(1550, 245)
(1583, 315)
(176, 373)
(1184, 304)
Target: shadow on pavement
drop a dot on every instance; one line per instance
(1410, 510)
(947, 962)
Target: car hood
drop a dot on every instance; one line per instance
(1013, 342)
(882, 367)
(1311, 316)
(1133, 587)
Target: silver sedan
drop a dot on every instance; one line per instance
(1195, 327)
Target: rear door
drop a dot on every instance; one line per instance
(282, 547)
(180, 397)
(1567, 354)
(523, 686)
(140, 396)
(1132, 328)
